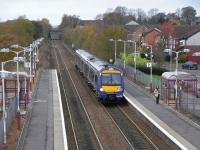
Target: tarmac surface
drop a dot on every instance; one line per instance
(188, 130)
(45, 130)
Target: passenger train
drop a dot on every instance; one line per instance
(107, 80)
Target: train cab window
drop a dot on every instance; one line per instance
(111, 79)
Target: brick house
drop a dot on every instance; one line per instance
(152, 36)
(188, 37)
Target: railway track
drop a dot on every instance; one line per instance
(80, 130)
(129, 129)
(105, 122)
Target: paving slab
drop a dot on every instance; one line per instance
(45, 129)
(182, 127)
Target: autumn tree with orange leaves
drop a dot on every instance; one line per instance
(21, 31)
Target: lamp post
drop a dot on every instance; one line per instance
(3, 76)
(30, 68)
(151, 70)
(176, 72)
(151, 78)
(115, 41)
(177, 53)
(5, 146)
(120, 40)
(7, 50)
(135, 61)
(35, 54)
(135, 55)
(25, 50)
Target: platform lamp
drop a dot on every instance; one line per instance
(120, 40)
(151, 55)
(115, 41)
(135, 54)
(3, 76)
(25, 50)
(35, 54)
(16, 59)
(176, 72)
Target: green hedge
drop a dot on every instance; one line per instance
(155, 70)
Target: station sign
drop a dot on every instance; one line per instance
(148, 65)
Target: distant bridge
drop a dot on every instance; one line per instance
(55, 34)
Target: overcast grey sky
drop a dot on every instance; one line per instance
(86, 9)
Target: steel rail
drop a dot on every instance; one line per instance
(80, 99)
(118, 127)
(75, 138)
(138, 128)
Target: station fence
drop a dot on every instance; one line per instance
(186, 102)
(11, 110)
(11, 102)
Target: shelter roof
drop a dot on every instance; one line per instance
(179, 75)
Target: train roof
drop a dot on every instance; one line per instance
(92, 60)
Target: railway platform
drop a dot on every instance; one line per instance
(181, 131)
(45, 128)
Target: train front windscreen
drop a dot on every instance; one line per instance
(111, 79)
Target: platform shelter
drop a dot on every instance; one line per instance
(11, 89)
(183, 81)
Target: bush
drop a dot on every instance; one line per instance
(155, 70)
(183, 58)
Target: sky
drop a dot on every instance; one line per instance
(86, 9)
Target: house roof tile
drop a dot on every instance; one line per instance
(184, 32)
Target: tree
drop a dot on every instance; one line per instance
(121, 10)
(178, 12)
(152, 12)
(188, 15)
(119, 16)
(141, 15)
(112, 18)
(158, 18)
(167, 30)
(132, 13)
(69, 21)
(20, 31)
(37, 29)
(24, 29)
(46, 27)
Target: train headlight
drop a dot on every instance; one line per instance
(101, 89)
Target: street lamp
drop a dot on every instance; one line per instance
(26, 65)
(151, 53)
(129, 41)
(177, 53)
(176, 72)
(120, 40)
(17, 59)
(115, 41)
(3, 76)
(135, 53)
(151, 78)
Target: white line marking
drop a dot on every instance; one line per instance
(62, 116)
(40, 101)
(157, 125)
